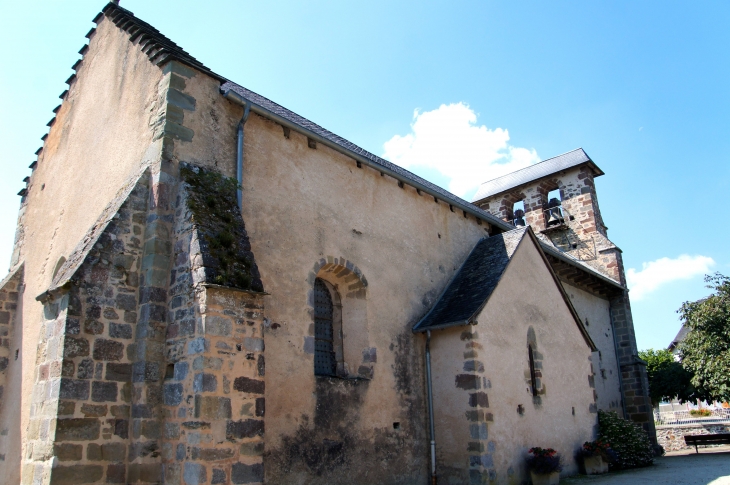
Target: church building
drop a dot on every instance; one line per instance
(207, 288)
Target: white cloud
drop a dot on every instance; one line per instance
(448, 140)
(656, 273)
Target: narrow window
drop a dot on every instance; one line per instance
(533, 379)
(325, 363)
(518, 211)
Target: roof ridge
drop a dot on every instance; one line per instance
(159, 48)
(536, 164)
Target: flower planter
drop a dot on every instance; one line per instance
(595, 465)
(545, 478)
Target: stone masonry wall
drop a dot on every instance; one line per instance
(9, 293)
(213, 388)
(633, 371)
(81, 403)
(671, 437)
(476, 406)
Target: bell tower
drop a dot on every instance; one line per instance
(557, 198)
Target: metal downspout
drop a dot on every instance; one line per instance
(430, 407)
(239, 155)
(618, 362)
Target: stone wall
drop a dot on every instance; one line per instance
(671, 437)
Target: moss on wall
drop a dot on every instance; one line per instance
(224, 244)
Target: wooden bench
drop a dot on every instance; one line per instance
(707, 439)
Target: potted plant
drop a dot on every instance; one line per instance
(544, 465)
(596, 456)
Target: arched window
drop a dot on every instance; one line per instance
(533, 377)
(325, 361)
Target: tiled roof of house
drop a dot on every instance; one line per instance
(473, 284)
(534, 172)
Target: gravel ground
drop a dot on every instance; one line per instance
(710, 467)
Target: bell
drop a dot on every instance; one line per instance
(555, 217)
(519, 218)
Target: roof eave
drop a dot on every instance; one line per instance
(458, 323)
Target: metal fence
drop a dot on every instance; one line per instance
(721, 415)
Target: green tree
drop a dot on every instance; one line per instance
(667, 378)
(705, 351)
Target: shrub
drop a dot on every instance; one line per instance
(700, 413)
(630, 443)
(544, 460)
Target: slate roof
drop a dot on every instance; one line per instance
(533, 172)
(681, 335)
(473, 284)
(158, 48)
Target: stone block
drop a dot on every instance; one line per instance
(74, 389)
(145, 372)
(218, 326)
(85, 369)
(468, 381)
(246, 384)
(180, 99)
(116, 473)
(66, 408)
(205, 383)
(253, 344)
(120, 330)
(102, 391)
(246, 428)
(118, 372)
(195, 474)
(120, 411)
(76, 474)
(93, 452)
(77, 429)
(93, 410)
(145, 473)
(172, 394)
(260, 406)
(150, 429)
(197, 346)
(478, 431)
(242, 473)
(212, 454)
(212, 407)
(473, 366)
(172, 431)
(219, 476)
(67, 451)
(181, 371)
(479, 399)
(252, 448)
(108, 350)
(75, 347)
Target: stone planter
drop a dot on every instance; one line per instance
(595, 465)
(545, 478)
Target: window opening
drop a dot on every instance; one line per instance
(518, 211)
(325, 363)
(533, 379)
(554, 212)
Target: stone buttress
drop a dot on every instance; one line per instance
(151, 359)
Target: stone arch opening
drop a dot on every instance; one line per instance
(347, 288)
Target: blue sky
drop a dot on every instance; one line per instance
(641, 86)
